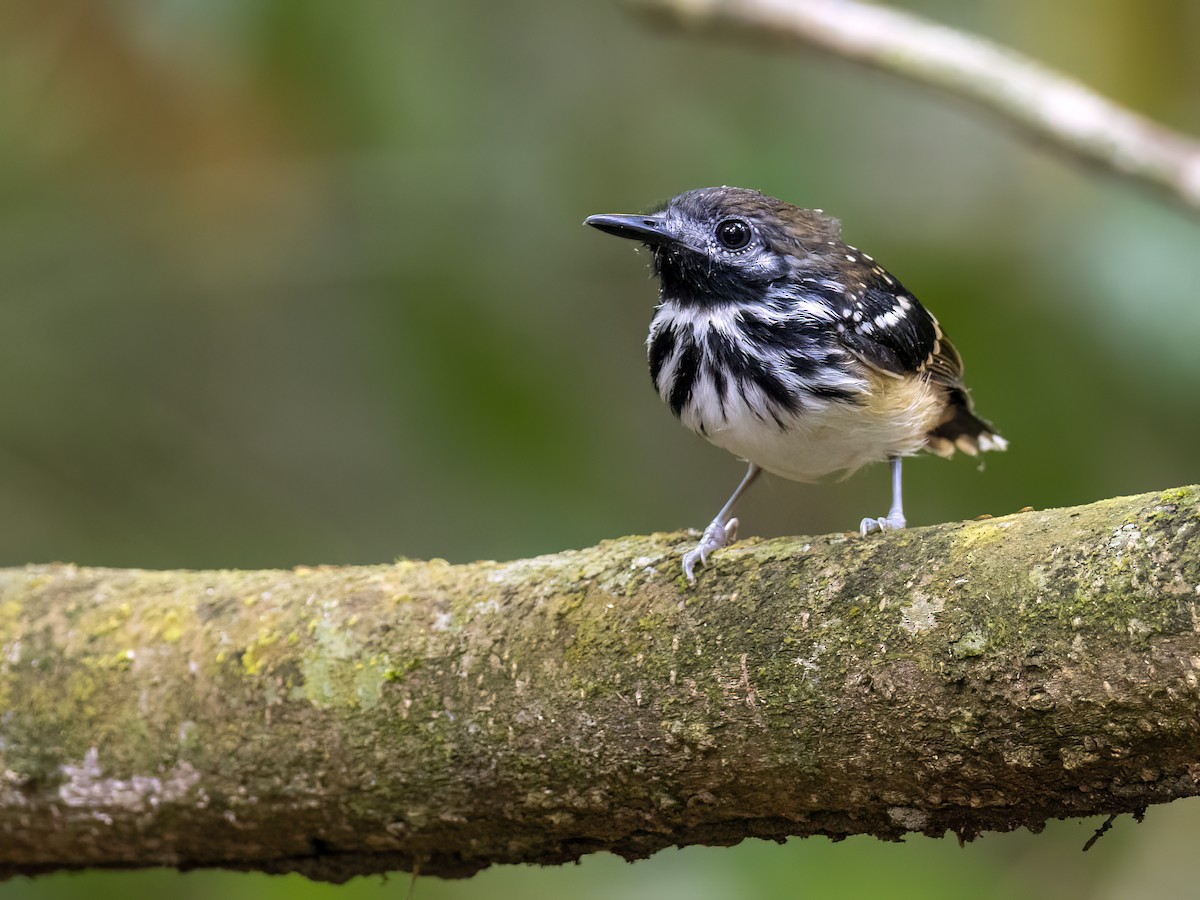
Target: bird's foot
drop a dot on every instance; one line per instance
(893, 522)
(716, 535)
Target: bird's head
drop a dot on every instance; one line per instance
(724, 245)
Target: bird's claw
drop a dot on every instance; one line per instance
(893, 522)
(715, 536)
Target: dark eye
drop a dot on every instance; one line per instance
(733, 234)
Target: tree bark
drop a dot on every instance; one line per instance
(971, 676)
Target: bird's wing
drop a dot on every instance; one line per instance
(887, 328)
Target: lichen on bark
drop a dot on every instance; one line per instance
(335, 721)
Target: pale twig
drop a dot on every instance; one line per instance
(1043, 104)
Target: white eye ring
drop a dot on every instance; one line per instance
(733, 234)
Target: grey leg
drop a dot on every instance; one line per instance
(721, 530)
(895, 517)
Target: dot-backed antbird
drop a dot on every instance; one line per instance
(778, 341)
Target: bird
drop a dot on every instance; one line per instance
(781, 343)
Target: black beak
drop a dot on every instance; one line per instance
(647, 229)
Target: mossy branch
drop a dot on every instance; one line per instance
(337, 721)
(1054, 110)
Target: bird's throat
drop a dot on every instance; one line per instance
(694, 280)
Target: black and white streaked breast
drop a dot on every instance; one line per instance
(771, 361)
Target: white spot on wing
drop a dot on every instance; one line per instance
(889, 319)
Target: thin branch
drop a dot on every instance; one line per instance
(1044, 104)
(338, 721)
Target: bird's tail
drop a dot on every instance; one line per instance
(961, 429)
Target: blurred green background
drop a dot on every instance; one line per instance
(289, 281)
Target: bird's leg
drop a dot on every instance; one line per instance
(895, 517)
(721, 530)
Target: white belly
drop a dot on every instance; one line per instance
(893, 420)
